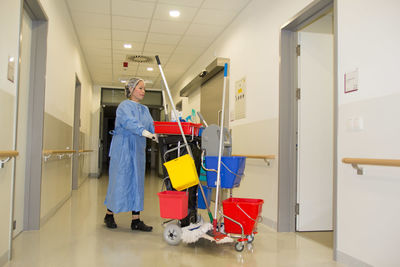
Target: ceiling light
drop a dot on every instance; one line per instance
(149, 69)
(148, 81)
(127, 45)
(11, 59)
(123, 81)
(174, 13)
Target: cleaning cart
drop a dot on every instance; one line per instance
(233, 217)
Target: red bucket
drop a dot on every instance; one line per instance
(173, 204)
(245, 211)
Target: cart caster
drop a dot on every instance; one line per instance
(172, 234)
(239, 246)
(250, 238)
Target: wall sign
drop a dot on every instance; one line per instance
(240, 98)
(351, 81)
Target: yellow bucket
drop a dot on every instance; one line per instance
(182, 172)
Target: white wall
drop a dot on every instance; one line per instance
(368, 205)
(252, 45)
(9, 28)
(65, 61)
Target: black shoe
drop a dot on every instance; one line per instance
(139, 225)
(109, 221)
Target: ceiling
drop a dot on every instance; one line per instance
(104, 26)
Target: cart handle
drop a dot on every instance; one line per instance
(259, 218)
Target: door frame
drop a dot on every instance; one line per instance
(76, 134)
(36, 104)
(287, 171)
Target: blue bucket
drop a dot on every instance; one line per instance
(200, 200)
(228, 179)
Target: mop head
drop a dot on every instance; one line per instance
(225, 239)
(194, 232)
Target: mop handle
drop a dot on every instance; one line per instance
(173, 107)
(221, 136)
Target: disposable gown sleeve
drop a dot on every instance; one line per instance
(129, 121)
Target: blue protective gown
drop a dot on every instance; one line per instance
(128, 158)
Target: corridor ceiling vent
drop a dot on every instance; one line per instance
(139, 58)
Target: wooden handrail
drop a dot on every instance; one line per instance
(255, 156)
(8, 153)
(365, 161)
(85, 150)
(52, 152)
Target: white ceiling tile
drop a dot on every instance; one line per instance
(204, 30)
(189, 3)
(91, 20)
(158, 48)
(93, 33)
(187, 13)
(195, 41)
(128, 23)
(138, 9)
(160, 38)
(235, 5)
(184, 49)
(119, 45)
(160, 26)
(97, 52)
(214, 17)
(93, 6)
(125, 35)
(93, 43)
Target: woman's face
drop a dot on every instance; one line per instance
(139, 92)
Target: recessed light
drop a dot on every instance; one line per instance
(174, 13)
(127, 45)
(148, 81)
(149, 69)
(123, 81)
(11, 59)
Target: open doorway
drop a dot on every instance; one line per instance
(307, 123)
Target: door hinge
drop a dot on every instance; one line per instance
(297, 209)
(298, 50)
(298, 94)
(14, 224)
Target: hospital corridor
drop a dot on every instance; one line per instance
(199, 133)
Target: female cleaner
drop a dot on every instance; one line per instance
(133, 124)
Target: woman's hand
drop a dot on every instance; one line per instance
(149, 135)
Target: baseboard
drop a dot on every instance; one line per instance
(269, 223)
(349, 260)
(4, 258)
(94, 175)
(53, 211)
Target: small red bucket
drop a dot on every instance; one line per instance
(245, 211)
(173, 204)
(169, 127)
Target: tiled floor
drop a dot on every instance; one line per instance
(76, 236)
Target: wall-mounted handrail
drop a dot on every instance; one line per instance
(266, 158)
(367, 161)
(59, 153)
(7, 154)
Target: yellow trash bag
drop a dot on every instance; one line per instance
(182, 172)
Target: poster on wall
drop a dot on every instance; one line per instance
(240, 99)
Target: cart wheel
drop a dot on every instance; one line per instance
(172, 234)
(239, 246)
(250, 238)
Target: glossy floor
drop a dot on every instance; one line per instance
(76, 236)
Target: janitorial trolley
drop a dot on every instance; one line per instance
(185, 155)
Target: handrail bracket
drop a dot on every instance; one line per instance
(360, 171)
(2, 161)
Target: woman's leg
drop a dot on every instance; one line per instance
(109, 219)
(137, 224)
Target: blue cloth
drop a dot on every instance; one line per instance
(128, 158)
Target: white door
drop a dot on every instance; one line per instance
(23, 104)
(315, 127)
